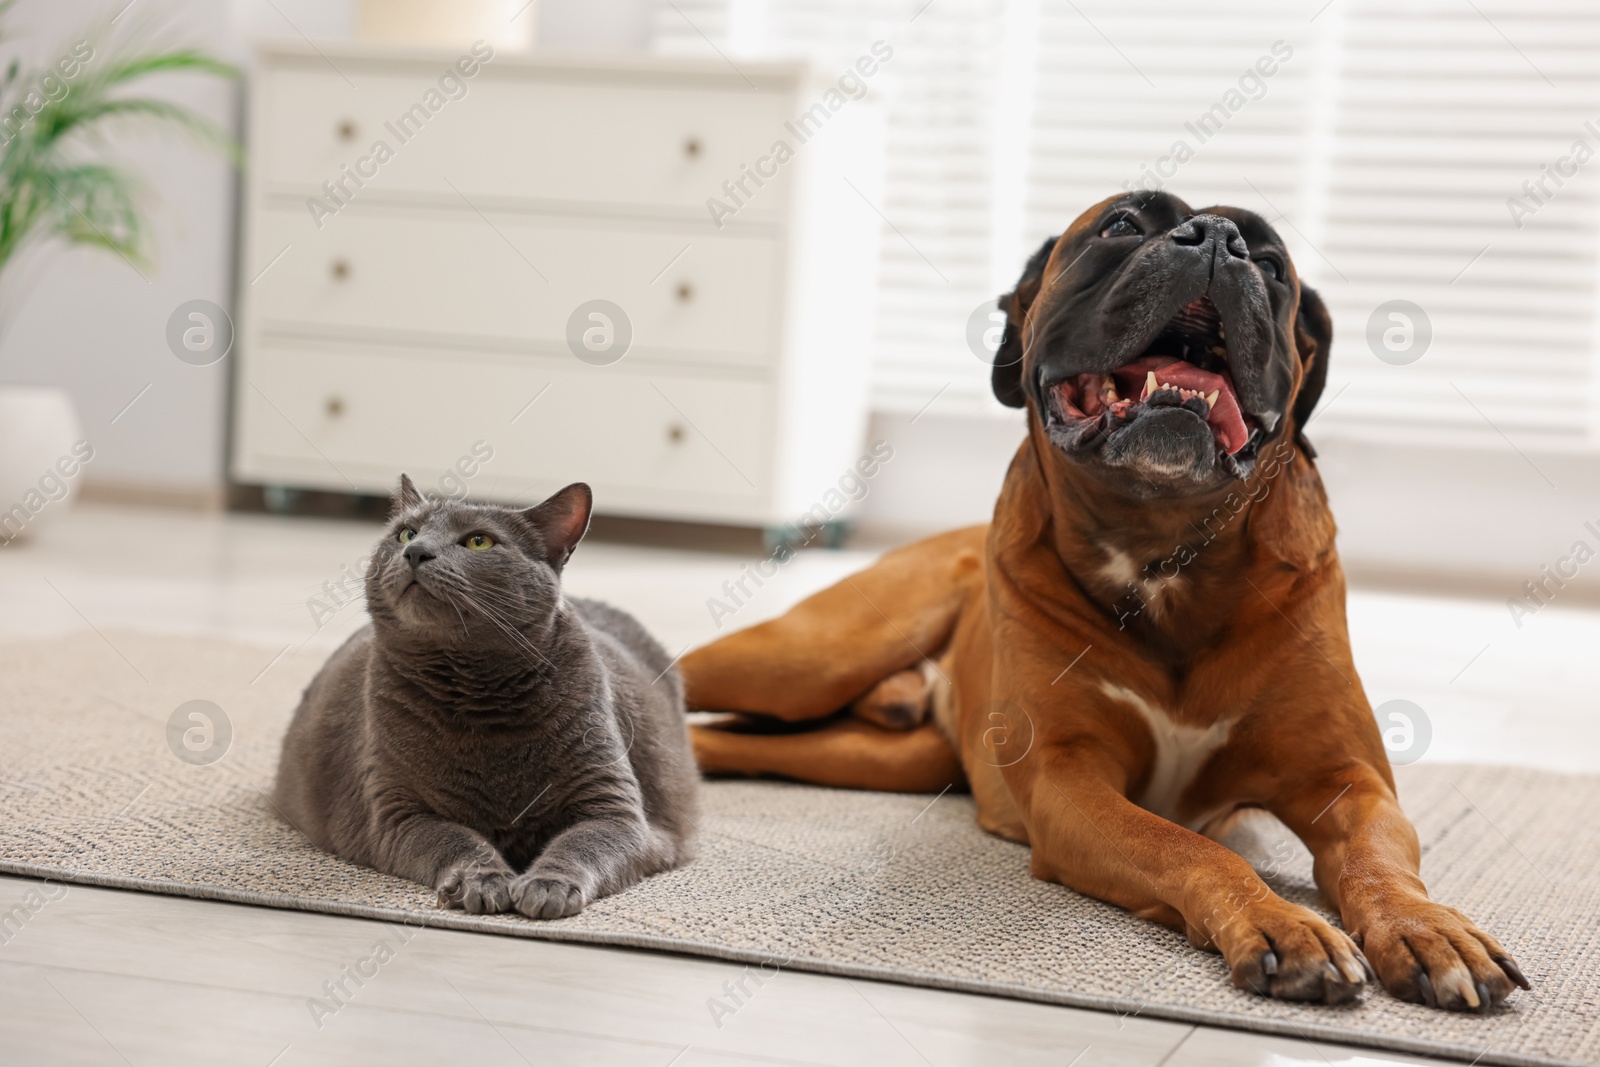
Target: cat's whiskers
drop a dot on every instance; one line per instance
(478, 600)
(497, 623)
(457, 609)
(494, 598)
(518, 637)
(440, 590)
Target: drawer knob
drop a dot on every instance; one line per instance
(691, 147)
(685, 292)
(340, 269)
(675, 434)
(346, 130)
(334, 406)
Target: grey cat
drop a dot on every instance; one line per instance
(486, 735)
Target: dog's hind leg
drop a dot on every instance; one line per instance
(848, 754)
(901, 701)
(834, 646)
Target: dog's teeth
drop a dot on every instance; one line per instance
(1150, 385)
(1211, 398)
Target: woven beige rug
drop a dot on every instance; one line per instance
(105, 781)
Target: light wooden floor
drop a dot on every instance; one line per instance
(109, 977)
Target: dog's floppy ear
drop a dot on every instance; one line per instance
(1007, 376)
(1313, 335)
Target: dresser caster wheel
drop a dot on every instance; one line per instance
(833, 533)
(280, 499)
(784, 540)
(830, 534)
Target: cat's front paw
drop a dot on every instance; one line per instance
(546, 896)
(479, 888)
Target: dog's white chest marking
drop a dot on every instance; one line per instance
(1147, 593)
(1119, 567)
(1180, 753)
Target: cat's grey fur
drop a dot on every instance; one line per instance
(487, 736)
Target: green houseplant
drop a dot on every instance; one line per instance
(59, 182)
(56, 181)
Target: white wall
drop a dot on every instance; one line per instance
(590, 25)
(946, 471)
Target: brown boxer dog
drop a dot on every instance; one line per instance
(1149, 638)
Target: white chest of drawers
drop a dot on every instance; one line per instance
(433, 294)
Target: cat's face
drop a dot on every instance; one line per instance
(452, 574)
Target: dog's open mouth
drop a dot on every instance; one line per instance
(1185, 367)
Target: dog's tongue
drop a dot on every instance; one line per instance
(1225, 419)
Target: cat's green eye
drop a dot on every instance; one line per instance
(480, 541)
(407, 536)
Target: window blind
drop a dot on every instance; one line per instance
(1387, 140)
(1444, 110)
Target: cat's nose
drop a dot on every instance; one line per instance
(417, 555)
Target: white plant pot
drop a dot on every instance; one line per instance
(505, 24)
(41, 458)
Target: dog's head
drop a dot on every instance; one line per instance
(1161, 348)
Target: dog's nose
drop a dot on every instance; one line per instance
(1210, 232)
(416, 554)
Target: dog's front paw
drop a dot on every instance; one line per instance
(1431, 954)
(1282, 950)
(479, 888)
(546, 896)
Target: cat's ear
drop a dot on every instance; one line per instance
(405, 497)
(562, 520)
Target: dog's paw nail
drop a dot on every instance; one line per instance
(1269, 963)
(1485, 1001)
(1513, 972)
(1425, 984)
